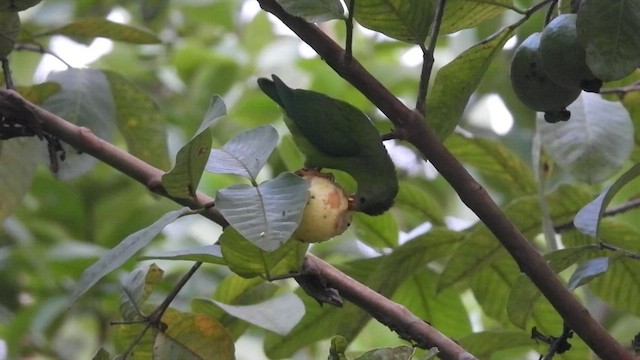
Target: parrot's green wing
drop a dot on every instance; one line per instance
(331, 126)
(334, 134)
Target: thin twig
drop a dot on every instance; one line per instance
(549, 15)
(619, 209)
(6, 70)
(41, 50)
(427, 58)
(622, 91)
(611, 247)
(156, 316)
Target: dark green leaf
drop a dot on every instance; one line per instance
(98, 27)
(140, 121)
(182, 181)
(84, 99)
(9, 30)
(314, 11)
(246, 154)
(416, 200)
(609, 30)
(456, 81)
(405, 20)
(247, 260)
(17, 5)
(123, 252)
(136, 288)
(266, 215)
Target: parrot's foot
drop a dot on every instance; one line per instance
(315, 172)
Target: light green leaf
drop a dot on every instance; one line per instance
(314, 11)
(397, 353)
(619, 286)
(248, 260)
(98, 27)
(456, 81)
(609, 31)
(266, 215)
(207, 254)
(38, 93)
(123, 252)
(136, 288)
(140, 121)
(464, 14)
(483, 344)
(246, 154)
(18, 161)
(405, 20)
(595, 143)
(416, 200)
(587, 220)
(587, 271)
(193, 336)
(379, 231)
(278, 314)
(495, 161)
(85, 100)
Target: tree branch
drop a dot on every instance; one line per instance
(413, 127)
(394, 315)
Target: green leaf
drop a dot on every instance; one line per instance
(18, 161)
(136, 288)
(587, 220)
(483, 344)
(587, 271)
(619, 286)
(379, 231)
(98, 27)
(207, 254)
(464, 14)
(101, 354)
(494, 161)
(444, 310)
(404, 20)
(246, 154)
(278, 314)
(416, 200)
(266, 215)
(609, 29)
(248, 260)
(85, 100)
(182, 181)
(456, 81)
(38, 93)
(193, 336)
(397, 353)
(140, 121)
(314, 11)
(9, 30)
(123, 252)
(595, 143)
(17, 5)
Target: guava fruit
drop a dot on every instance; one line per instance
(326, 214)
(534, 87)
(563, 57)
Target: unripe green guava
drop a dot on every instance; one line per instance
(326, 214)
(563, 57)
(534, 87)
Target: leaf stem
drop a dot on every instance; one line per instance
(627, 206)
(428, 59)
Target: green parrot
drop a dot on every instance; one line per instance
(334, 134)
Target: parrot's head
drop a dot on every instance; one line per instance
(374, 198)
